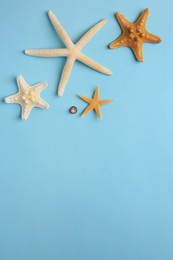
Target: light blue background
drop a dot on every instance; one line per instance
(76, 188)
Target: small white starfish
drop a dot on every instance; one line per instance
(72, 51)
(28, 97)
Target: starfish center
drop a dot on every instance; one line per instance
(74, 51)
(136, 33)
(28, 97)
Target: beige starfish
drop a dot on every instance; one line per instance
(72, 51)
(134, 35)
(94, 103)
(28, 97)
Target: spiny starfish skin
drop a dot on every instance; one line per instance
(28, 97)
(72, 51)
(94, 103)
(134, 35)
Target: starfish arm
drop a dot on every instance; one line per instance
(89, 34)
(94, 65)
(96, 94)
(42, 104)
(22, 85)
(40, 86)
(143, 17)
(25, 112)
(137, 50)
(124, 23)
(60, 30)
(12, 99)
(86, 99)
(87, 110)
(98, 112)
(65, 75)
(48, 52)
(120, 42)
(153, 38)
(104, 102)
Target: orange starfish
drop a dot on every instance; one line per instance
(94, 103)
(135, 34)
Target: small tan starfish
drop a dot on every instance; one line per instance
(28, 97)
(94, 103)
(134, 35)
(72, 51)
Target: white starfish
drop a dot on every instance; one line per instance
(28, 97)
(72, 51)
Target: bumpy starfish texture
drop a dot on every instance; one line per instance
(28, 97)
(134, 35)
(94, 103)
(72, 51)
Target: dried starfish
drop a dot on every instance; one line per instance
(72, 51)
(94, 103)
(28, 97)
(134, 34)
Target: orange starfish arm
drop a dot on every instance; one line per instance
(98, 112)
(124, 23)
(104, 102)
(137, 50)
(87, 110)
(120, 42)
(88, 100)
(143, 17)
(96, 94)
(153, 38)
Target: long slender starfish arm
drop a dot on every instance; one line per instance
(94, 65)
(48, 52)
(60, 30)
(87, 110)
(98, 112)
(86, 99)
(89, 34)
(65, 75)
(124, 23)
(120, 42)
(153, 38)
(96, 94)
(104, 102)
(143, 17)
